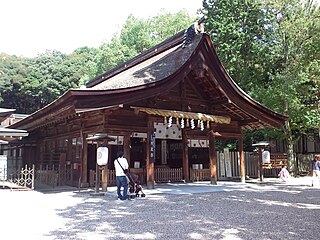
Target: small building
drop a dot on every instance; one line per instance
(165, 108)
(7, 117)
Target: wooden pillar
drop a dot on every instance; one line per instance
(69, 151)
(126, 147)
(213, 159)
(97, 186)
(185, 157)
(242, 161)
(104, 177)
(84, 160)
(39, 154)
(260, 163)
(149, 161)
(104, 170)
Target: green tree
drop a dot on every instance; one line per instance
(141, 34)
(110, 55)
(52, 73)
(81, 62)
(271, 49)
(242, 39)
(13, 74)
(30, 84)
(136, 36)
(44, 77)
(294, 86)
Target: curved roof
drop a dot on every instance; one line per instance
(153, 69)
(156, 71)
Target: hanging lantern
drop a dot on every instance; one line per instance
(165, 120)
(187, 123)
(177, 121)
(208, 124)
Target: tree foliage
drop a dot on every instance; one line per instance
(138, 35)
(238, 30)
(28, 84)
(272, 50)
(13, 74)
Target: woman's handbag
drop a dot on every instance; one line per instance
(124, 170)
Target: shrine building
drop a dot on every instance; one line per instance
(164, 108)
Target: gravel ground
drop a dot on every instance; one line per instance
(240, 211)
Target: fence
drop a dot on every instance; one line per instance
(229, 166)
(58, 175)
(168, 174)
(55, 175)
(93, 177)
(42, 176)
(200, 174)
(160, 175)
(17, 178)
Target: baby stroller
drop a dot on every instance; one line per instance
(135, 189)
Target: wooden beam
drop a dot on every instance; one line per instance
(197, 91)
(126, 129)
(176, 100)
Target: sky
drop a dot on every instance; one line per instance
(29, 27)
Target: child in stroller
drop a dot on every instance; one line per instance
(135, 189)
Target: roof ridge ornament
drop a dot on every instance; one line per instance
(196, 28)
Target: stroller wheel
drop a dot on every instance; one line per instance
(137, 195)
(143, 195)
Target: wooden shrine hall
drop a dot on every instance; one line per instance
(155, 106)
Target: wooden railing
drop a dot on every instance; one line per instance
(54, 175)
(168, 174)
(199, 174)
(111, 178)
(161, 175)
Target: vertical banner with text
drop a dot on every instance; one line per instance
(152, 147)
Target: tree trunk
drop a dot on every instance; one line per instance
(292, 166)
